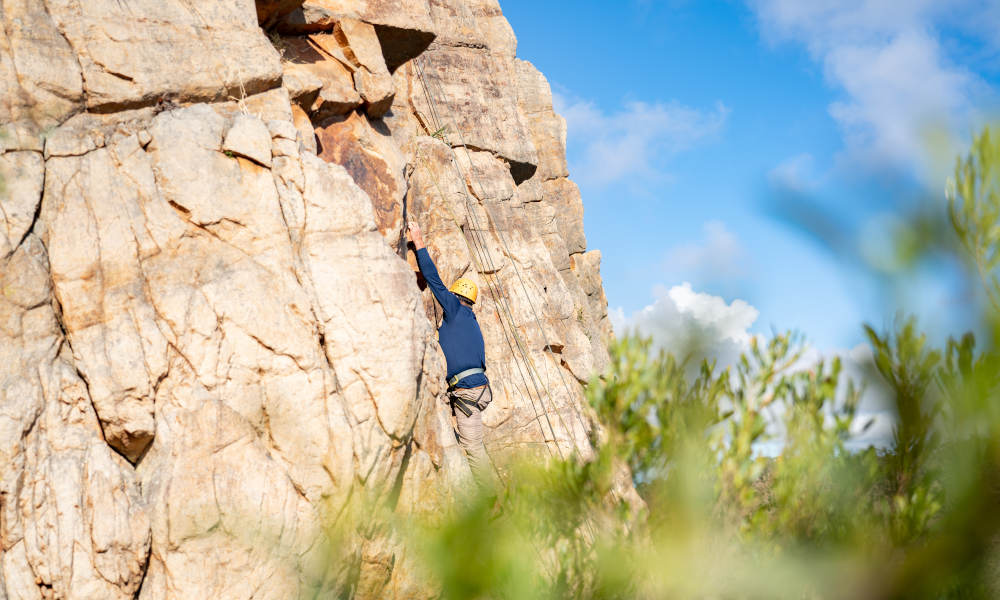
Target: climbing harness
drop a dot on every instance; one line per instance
(460, 376)
(467, 406)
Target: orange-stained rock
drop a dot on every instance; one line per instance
(375, 164)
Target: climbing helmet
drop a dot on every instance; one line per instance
(465, 288)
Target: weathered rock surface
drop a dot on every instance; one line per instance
(318, 76)
(469, 92)
(371, 76)
(473, 24)
(73, 521)
(212, 337)
(179, 49)
(40, 78)
(375, 163)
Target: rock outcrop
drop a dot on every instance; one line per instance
(212, 334)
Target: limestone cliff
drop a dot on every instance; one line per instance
(212, 334)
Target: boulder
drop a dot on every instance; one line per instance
(138, 53)
(404, 27)
(466, 95)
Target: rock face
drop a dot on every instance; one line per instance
(212, 334)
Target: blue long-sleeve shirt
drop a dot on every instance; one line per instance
(459, 334)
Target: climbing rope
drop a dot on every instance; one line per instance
(481, 256)
(496, 127)
(504, 302)
(531, 305)
(476, 252)
(484, 258)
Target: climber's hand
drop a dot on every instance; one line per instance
(416, 236)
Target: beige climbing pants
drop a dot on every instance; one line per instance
(470, 431)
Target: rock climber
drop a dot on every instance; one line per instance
(462, 343)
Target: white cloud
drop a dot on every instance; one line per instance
(898, 91)
(689, 323)
(719, 255)
(794, 174)
(888, 59)
(820, 23)
(617, 317)
(633, 141)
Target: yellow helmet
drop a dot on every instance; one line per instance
(465, 288)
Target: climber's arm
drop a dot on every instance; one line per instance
(449, 303)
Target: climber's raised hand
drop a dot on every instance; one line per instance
(416, 236)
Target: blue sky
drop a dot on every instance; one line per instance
(688, 121)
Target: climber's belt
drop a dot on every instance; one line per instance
(460, 376)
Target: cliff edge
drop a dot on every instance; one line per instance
(212, 333)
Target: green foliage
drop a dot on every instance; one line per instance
(974, 208)
(441, 134)
(278, 42)
(912, 369)
(550, 535)
(652, 408)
